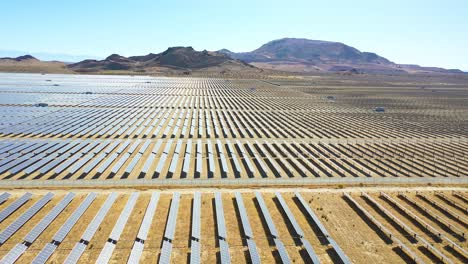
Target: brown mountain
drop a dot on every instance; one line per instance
(28, 63)
(305, 55)
(175, 58)
(20, 58)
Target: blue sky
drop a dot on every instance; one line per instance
(430, 33)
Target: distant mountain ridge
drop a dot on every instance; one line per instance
(295, 55)
(178, 58)
(305, 55)
(20, 58)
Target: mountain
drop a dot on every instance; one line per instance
(20, 58)
(174, 58)
(28, 63)
(305, 55)
(294, 55)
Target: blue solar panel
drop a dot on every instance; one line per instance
(21, 220)
(14, 206)
(4, 197)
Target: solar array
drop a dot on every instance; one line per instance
(80, 247)
(75, 131)
(300, 234)
(19, 249)
(405, 227)
(199, 128)
(323, 230)
(14, 206)
(262, 226)
(21, 220)
(60, 235)
(272, 229)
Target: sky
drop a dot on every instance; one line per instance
(425, 32)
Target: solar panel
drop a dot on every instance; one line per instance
(282, 251)
(196, 214)
(75, 253)
(322, 228)
(44, 254)
(175, 157)
(211, 162)
(231, 150)
(39, 163)
(339, 251)
(149, 214)
(21, 220)
(71, 221)
(195, 252)
(94, 163)
(244, 218)
(246, 158)
(172, 219)
(220, 216)
(199, 165)
(14, 206)
(162, 159)
(151, 157)
(106, 253)
(136, 252)
(121, 148)
(254, 257)
(108, 248)
(165, 257)
(72, 160)
(97, 220)
(187, 157)
(259, 160)
(222, 155)
(266, 215)
(224, 252)
(133, 163)
(290, 215)
(310, 251)
(4, 197)
(14, 254)
(312, 215)
(120, 163)
(222, 234)
(47, 220)
(144, 146)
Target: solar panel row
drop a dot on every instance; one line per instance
(221, 227)
(196, 232)
(272, 228)
(4, 197)
(139, 243)
(22, 219)
(50, 247)
(47, 220)
(14, 206)
(108, 248)
(254, 257)
(322, 228)
(79, 248)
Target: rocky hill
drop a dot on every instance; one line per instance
(305, 55)
(175, 58)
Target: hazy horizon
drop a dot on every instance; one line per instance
(427, 33)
